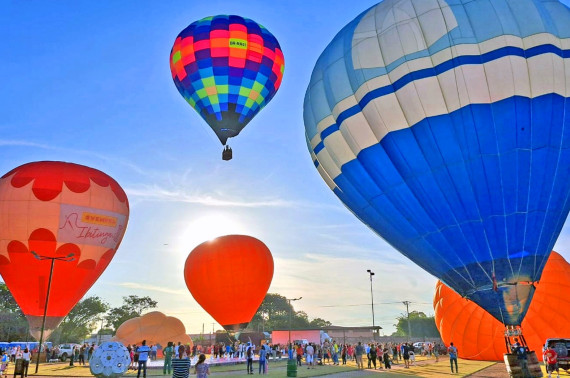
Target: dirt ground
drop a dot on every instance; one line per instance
(498, 370)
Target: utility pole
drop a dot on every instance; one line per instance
(212, 334)
(372, 296)
(407, 303)
(290, 310)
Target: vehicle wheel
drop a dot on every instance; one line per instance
(64, 357)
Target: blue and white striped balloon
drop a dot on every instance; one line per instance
(444, 125)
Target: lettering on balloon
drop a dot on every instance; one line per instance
(239, 43)
(83, 225)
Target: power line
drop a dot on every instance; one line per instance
(368, 304)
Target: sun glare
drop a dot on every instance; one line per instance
(211, 226)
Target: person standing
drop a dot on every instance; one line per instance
(551, 358)
(72, 356)
(27, 356)
(90, 351)
(310, 353)
(85, 349)
(372, 356)
(153, 352)
(249, 355)
(81, 360)
(201, 368)
(386, 358)
(143, 352)
(395, 354)
(167, 353)
(359, 351)
(181, 365)
(262, 359)
(406, 355)
(452, 351)
(299, 354)
(76, 353)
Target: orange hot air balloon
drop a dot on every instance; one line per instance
(479, 336)
(57, 210)
(155, 328)
(229, 277)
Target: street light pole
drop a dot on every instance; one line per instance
(64, 258)
(371, 273)
(407, 303)
(290, 310)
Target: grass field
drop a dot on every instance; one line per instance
(423, 368)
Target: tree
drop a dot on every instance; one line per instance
(133, 306)
(273, 313)
(420, 324)
(320, 323)
(80, 321)
(7, 301)
(13, 323)
(139, 304)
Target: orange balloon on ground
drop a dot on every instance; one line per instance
(479, 336)
(155, 328)
(229, 277)
(56, 209)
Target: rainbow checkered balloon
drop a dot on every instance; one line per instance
(227, 68)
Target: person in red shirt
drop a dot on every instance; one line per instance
(551, 361)
(299, 354)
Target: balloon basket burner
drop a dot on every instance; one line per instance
(227, 153)
(516, 370)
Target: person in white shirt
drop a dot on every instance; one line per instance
(27, 356)
(310, 353)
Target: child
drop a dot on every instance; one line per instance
(412, 357)
(4, 365)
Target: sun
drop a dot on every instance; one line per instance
(210, 226)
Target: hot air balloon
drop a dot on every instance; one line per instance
(243, 265)
(479, 336)
(227, 68)
(155, 328)
(444, 127)
(62, 216)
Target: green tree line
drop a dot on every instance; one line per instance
(88, 315)
(93, 313)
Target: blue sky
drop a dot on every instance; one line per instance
(89, 82)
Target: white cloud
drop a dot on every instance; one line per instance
(144, 287)
(160, 194)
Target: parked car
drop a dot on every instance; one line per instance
(422, 347)
(65, 351)
(441, 349)
(562, 348)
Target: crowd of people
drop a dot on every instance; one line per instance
(177, 357)
(378, 355)
(12, 355)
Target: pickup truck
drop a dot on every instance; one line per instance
(65, 351)
(562, 348)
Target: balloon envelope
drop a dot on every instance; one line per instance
(229, 277)
(444, 127)
(227, 68)
(154, 327)
(479, 336)
(56, 209)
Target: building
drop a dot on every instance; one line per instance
(318, 335)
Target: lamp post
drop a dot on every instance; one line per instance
(67, 258)
(290, 310)
(371, 273)
(407, 304)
